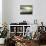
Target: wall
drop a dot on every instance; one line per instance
(0, 13)
(12, 11)
(4, 11)
(42, 11)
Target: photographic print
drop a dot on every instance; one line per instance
(25, 9)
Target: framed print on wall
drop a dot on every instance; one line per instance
(26, 9)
